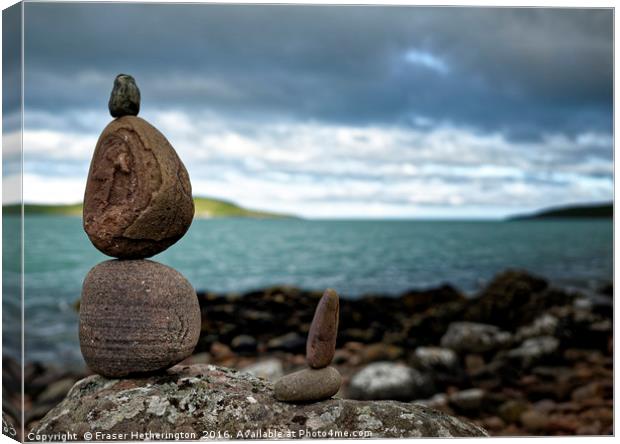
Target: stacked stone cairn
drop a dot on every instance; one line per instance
(320, 381)
(136, 316)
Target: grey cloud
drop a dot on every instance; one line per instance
(11, 68)
(254, 89)
(524, 72)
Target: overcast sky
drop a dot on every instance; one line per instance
(334, 111)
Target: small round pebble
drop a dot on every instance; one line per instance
(138, 198)
(136, 316)
(321, 344)
(125, 97)
(308, 385)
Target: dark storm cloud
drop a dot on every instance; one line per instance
(11, 68)
(524, 72)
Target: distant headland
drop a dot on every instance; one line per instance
(206, 207)
(599, 211)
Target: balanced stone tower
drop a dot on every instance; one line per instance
(136, 315)
(320, 381)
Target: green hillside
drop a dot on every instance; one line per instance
(208, 207)
(205, 207)
(572, 212)
(52, 210)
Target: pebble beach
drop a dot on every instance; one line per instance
(521, 358)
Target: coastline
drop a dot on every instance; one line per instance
(547, 352)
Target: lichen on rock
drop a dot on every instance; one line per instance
(199, 399)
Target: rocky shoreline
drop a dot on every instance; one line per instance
(521, 358)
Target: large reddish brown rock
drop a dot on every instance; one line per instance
(136, 316)
(321, 344)
(138, 198)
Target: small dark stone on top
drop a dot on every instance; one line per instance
(125, 97)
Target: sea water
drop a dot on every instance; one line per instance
(354, 257)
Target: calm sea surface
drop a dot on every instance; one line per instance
(354, 257)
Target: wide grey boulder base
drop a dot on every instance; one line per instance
(199, 398)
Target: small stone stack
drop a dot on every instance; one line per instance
(136, 315)
(319, 382)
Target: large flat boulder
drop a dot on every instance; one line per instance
(205, 401)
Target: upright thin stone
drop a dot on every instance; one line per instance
(321, 344)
